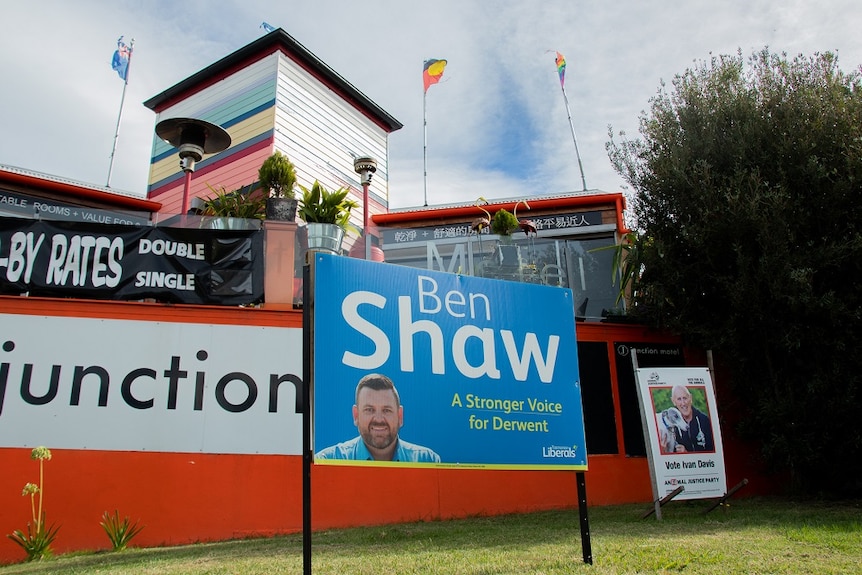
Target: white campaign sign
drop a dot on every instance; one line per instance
(122, 385)
(682, 453)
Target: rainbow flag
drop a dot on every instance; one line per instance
(561, 68)
(432, 72)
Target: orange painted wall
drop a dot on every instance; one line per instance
(188, 497)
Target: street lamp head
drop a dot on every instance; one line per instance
(365, 166)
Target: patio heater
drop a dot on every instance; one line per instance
(193, 138)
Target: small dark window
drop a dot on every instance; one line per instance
(597, 397)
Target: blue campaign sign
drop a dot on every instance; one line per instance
(485, 372)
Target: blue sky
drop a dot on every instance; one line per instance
(496, 124)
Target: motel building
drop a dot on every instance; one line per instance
(167, 378)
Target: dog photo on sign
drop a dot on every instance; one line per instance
(669, 422)
(682, 419)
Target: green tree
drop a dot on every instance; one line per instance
(747, 178)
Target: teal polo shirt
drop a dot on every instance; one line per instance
(355, 449)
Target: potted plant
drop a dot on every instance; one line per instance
(327, 215)
(277, 177)
(627, 266)
(503, 224)
(231, 209)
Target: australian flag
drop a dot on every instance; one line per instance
(120, 61)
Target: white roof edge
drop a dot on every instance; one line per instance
(62, 180)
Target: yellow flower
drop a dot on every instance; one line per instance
(40, 452)
(30, 489)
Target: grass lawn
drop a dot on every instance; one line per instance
(750, 536)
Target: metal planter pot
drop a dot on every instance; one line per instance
(324, 237)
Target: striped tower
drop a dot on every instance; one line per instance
(273, 94)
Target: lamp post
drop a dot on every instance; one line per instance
(365, 167)
(193, 138)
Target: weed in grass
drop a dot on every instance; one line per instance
(120, 532)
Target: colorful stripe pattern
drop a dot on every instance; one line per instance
(561, 68)
(432, 72)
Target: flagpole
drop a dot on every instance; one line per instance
(574, 137)
(120, 115)
(432, 71)
(425, 147)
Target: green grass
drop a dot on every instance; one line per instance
(750, 536)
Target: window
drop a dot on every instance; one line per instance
(579, 264)
(597, 397)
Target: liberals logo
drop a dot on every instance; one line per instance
(555, 451)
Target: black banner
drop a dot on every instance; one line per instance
(92, 261)
(22, 206)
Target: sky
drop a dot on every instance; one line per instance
(495, 126)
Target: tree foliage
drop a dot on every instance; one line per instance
(277, 176)
(747, 178)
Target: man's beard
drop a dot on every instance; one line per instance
(379, 437)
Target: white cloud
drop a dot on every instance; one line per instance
(496, 125)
